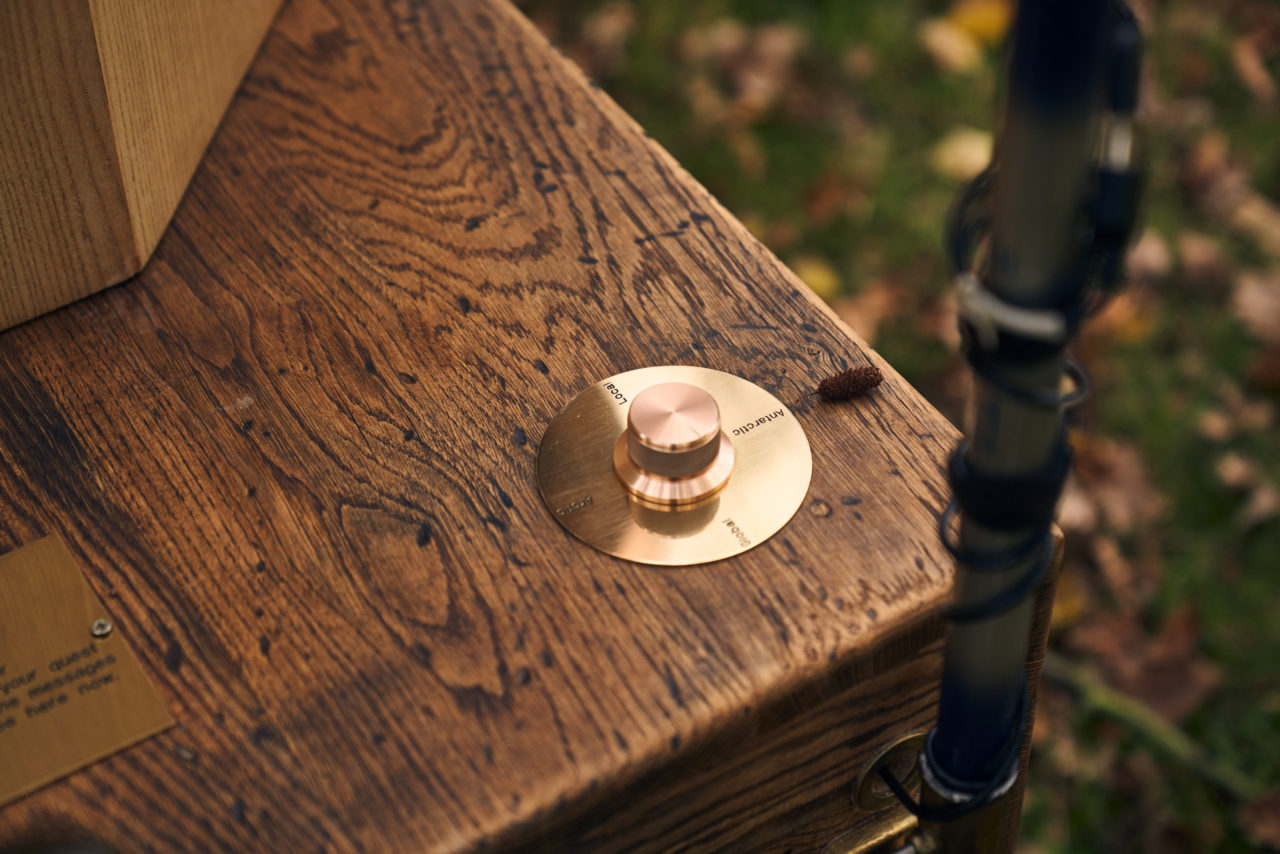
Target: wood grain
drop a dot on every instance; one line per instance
(107, 107)
(296, 456)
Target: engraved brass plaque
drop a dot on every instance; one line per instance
(579, 482)
(71, 691)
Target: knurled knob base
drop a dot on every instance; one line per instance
(673, 451)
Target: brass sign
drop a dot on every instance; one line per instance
(71, 691)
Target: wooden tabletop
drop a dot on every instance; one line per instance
(295, 457)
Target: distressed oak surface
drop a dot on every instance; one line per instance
(295, 457)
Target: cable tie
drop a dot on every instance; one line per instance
(987, 314)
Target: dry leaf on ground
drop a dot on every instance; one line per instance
(1129, 316)
(1131, 583)
(1167, 673)
(1260, 820)
(1256, 302)
(1149, 258)
(865, 312)
(1077, 514)
(1216, 426)
(818, 274)
(985, 20)
(1262, 506)
(1113, 475)
(715, 42)
(1225, 192)
(763, 72)
(1201, 257)
(1251, 68)
(950, 47)
(604, 38)
(962, 153)
(1072, 600)
(1235, 472)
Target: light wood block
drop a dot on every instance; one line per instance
(106, 107)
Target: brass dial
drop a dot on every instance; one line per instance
(674, 465)
(673, 451)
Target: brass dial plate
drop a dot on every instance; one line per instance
(772, 467)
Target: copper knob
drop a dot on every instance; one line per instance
(673, 451)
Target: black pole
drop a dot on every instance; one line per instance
(1045, 158)
(1057, 207)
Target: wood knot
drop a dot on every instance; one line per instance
(850, 383)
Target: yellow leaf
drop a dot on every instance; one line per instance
(950, 47)
(818, 274)
(986, 21)
(962, 153)
(1071, 600)
(1128, 317)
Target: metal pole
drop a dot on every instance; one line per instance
(1046, 157)
(1036, 261)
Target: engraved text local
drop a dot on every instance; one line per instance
(763, 419)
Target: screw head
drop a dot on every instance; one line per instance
(101, 627)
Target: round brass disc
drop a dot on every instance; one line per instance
(771, 470)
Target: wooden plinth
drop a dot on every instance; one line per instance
(295, 458)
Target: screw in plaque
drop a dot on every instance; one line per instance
(101, 627)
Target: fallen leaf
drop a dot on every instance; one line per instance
(818, 274)
(1247, 413)
(1235, 472)
(1224, 190)
(1114, 476)
(1071, 600)
(1076, 511)
(604, 37)
(1260, 820)
(762, 72)
(859, 62)
(1262, 506)
(1216, 425)
(1201, 258)
(1167, 672)
(1256, 415)
(1258, 217)
(865, 311)
(962, 153)
(707, 104)
(1251, 68)
(1149, 258)
(1208, 172)
(1129, 316)
(985, 20)
(951, 48)
(714, 43)
(1115, 568)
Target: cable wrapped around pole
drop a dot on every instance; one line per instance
(1056, 210)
